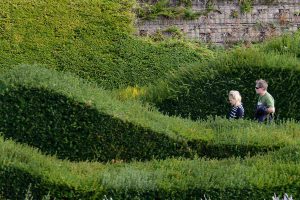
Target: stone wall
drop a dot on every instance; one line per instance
(221, 26)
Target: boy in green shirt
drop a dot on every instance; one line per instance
(265, 107)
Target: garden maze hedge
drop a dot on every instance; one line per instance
(199, 93)
(65, 137)
(73, 119)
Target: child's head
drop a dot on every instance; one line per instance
(261, 86)
(235, 98)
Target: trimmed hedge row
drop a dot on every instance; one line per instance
(201, 91)
(22, 168)
(61, 115)
(76, 120)
(91, 38)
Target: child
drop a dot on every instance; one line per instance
(265, 107)
(237, 110)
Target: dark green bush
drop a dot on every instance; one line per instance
(58, 124)
(76, 131)
(17, 183)
(76, 120)
(259, 177)
(202, 91)
(93, 39)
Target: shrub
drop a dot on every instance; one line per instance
(202, 90)
(258, 177)
(93, 39)
(77, 120)
(65, 116)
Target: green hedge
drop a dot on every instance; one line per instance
(285, 44)
(61, 115)
(202, 90)
(23, 169)
(92, 38)
(26, 174)
(66, 116)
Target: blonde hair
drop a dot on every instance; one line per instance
(235, 95)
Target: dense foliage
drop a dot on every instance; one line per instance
(202, 90)
(259, 177)
(66, 116)
(93, 39)
(63, 115)
(145, 154)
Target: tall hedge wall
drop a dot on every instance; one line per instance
(202, 90)
(92, 38)
(76, 120)
(38, 109)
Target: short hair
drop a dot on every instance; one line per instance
(262, 84)
(235, 95)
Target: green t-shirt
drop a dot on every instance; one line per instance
(266, 100)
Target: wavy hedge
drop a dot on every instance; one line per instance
(92, 38)
(23, 169)
(202, 90)
(74, 119)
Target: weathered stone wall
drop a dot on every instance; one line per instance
(220, 26)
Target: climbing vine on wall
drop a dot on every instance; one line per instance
(246, 5)
(182, 9)
(149, 10)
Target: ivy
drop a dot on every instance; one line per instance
(162, 8)
(245, 6)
